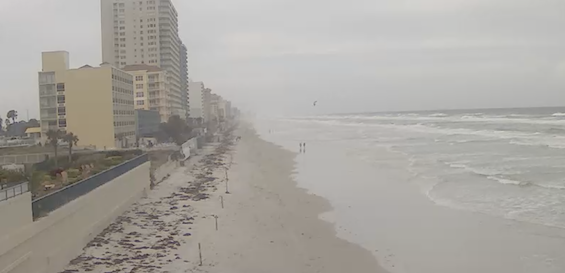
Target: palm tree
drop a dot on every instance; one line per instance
(12, 114)
(53, 137)
(72, 140)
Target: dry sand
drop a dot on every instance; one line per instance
(267, 224)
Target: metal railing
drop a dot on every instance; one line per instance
(24, 158)
(48, 203)
(13, 191)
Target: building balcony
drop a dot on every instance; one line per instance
(47, 93)
(50, 116)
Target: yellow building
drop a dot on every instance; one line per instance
(94, 103)
(152, 89)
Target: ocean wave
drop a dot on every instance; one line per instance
(520, 119)
(558, 115)
(508, 181)
(550, 186)
(438, 115)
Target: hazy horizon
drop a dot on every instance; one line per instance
(356, 56)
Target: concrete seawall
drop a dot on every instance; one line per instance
(48, 244)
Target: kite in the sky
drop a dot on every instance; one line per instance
(315, 102)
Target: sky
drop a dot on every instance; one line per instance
(278, 56)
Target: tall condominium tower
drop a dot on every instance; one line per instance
(145, 32)
(184, 77)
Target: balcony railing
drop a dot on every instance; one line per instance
(48, 116)
(13, 190)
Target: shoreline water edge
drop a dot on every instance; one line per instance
(233, 208)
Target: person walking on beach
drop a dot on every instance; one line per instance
(304, 147)
(300, 147)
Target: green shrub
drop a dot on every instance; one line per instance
(9, 176)
(73, 173)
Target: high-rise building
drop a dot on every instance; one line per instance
(207, 104)
(145, 32)
(151, 89)
(94, 103)
(184, 78)
(196, 103)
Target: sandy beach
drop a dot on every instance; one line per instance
(264, 224)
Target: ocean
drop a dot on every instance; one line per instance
(439, 191)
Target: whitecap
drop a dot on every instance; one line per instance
(507, 181)
(438, 115)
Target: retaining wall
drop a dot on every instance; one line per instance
(49, 243)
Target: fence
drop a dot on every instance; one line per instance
(17, 143)
(13, 191)
(55, 200)
(24, 158)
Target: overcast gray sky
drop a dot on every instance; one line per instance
(352, 56)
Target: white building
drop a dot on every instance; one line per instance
(145, 32)
(196, 102)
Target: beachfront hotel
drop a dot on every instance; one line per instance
(94, 103)
(151, 89)
(196, 92)
(146, 32)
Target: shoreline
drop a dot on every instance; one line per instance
(267, 224)
(278, 222)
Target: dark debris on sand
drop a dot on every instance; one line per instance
(145, 238)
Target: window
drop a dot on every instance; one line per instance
(61, 99)
(139, 94)
(60, 87)
(122, 57)
(62, 111)
(122, 34)
(140, 102)
(123, 63)
(138, 78)
(123, 51)
(62, 123)
(139, 86)
(123, 40)
(122, 28)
